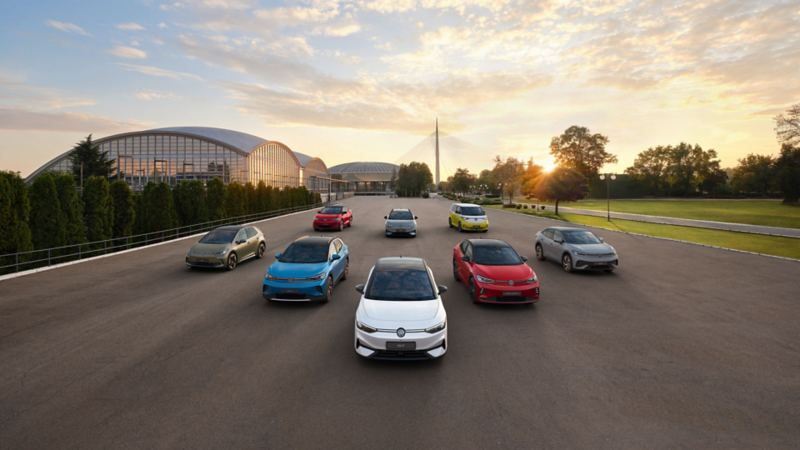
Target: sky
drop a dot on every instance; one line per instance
(364, 80)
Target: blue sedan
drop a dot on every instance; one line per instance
(307, 270)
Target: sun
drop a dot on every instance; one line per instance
(547, 167)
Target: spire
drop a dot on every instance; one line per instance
(437, 153)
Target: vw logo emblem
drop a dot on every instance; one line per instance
(291, 280)
(511, 283)
(401, 332)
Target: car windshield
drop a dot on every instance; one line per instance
(400, 215)
(401, 285)
(472, 211)
(331, 210)
(220, 236)
(496, 256)
(305, 253)
(580, 237)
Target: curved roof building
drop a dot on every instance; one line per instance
(367, 177)
(201, 153)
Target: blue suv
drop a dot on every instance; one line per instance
(307, 270)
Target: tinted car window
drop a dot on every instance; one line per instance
(250, 233)
(548, 233)
(472, 211)
(401, 215)
(557, 235)
(338, 245)
(241, 236)
(469, 251)
(305, 253)
(331, 210)
(580, 238)
(219, 236)
(496, 256)
(409, 285)
(464, 247)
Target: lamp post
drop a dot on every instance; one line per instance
(500, 186)
(608, 177)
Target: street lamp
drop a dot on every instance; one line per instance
(608, 177)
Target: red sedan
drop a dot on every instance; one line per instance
(333, 217)
(494, 272)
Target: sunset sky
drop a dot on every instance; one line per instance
(364, 80)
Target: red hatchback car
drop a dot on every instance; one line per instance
(333, 217)
(494, 272)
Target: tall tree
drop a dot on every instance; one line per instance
(581, 150)
(787, 169)
(650, 167)
(141, 219)
(71, 208)
(788, 127)
(462, 180)
(262, 203)
(509, 174)
(561, 185)
(251, 198)
(269, 199)
(47, 224)
(530, 177)
(95, 162)
(215, 199)
(17, 235)
(754, 174)
(161, 208)
(412, 179)
(235, 200)
(124, 212)
(98, 210)
(191, 203)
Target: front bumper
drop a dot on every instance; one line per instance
(494, 293)
(590, 263)
(293, 292)
(472, 226)
(215, 261)
(317, 224)
(399, 232)
(428, 345)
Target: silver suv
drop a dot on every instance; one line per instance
(575, 249)
(401, 222)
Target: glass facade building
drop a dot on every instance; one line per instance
(367, 177)
(202, 153)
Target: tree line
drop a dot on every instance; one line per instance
(413, 179)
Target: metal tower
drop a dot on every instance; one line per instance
(437, 153)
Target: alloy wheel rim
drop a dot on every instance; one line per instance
(566, 262)
(232, 261)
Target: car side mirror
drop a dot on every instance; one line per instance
(465, 258)
(240, 242)
(559, 241)
(335, 257)
(415, 217)
(523, 258)
(442, 289)
(601, 239)
(360, 288)
(278, 255)
(385, 217)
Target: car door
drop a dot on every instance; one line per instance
(465, 269)
(252, 241)
(240, 244)
(345, 216)
(453, 217)
(555, 247)
(336, 265)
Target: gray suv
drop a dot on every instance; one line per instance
(400, 222)
(576, 249)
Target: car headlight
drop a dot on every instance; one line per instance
(577, 253)
(532, 279)
(365, 328)
(270, 277)
(317, 277)
(437, 328)
(484, 279)
(221, 252)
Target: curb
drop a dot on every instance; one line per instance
(663, 238)
(69, 263)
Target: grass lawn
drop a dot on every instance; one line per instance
(770, 245)
(753, 212)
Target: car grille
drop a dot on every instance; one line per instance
(392, 354)
(292, 296)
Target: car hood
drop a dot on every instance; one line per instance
(208, 248)
(593, 248)
(395, 223)
(295, 270)
(327, 216)
(400, 311)
(475, 218)
(505, 273)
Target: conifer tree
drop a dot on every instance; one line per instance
(161, 208)
(262, 204)
(251, 198)
(124, 213)
(98, 210)
(141, 221)
(215, 199)
(15, 236)
(235, 200)
(191, 202)
(95, 162)
(47, 224)
(72, 210)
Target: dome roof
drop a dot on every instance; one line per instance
(364, 167)
(243, 142)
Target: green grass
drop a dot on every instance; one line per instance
(770, 245)
(753, 212)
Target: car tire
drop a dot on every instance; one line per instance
(346, 269)
(566, 262)
(262, 248)
(473, 293)
(328, 291)
(341, 226)
(485, 230)
(608, 270)
(316, 229)
(232, 261)
(450, 222)
(460, 230)
(350, 223)
(540, 253)
(455, 271)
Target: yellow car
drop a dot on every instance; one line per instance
(468, 217)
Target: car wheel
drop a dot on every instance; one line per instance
(350, 223)
(485, 230)
(455, 271)
(608, 270)
(450, 222)
(346, 268)
(328, 291)
(341, 226)
(316, 229)
(473, 293)
(232, 260)
(262, 248)
(540, 253)
(459, 227)
(566, 262)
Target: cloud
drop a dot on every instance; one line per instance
(153, 95)
(347, 59)
(130, 26)
(19, 94)
(127, 52)
(23, 119)
(66, 27)
(158, 72)
(162, 26)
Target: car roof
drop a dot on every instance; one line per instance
(231, 227)
(315, 239)
(489, 243)
(400, 209)
(465, 204)
(400, 263)
(568, 229)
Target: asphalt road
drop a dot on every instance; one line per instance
(682, 347)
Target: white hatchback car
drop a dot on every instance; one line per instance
(401, 315)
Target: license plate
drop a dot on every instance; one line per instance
(290, 291)
(599, 264)
(512, 294)
(200, 260)
(476, 226)
(401, 346)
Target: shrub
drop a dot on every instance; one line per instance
(524, 206)
(509, 205)
(425, 195)
(519, 206)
